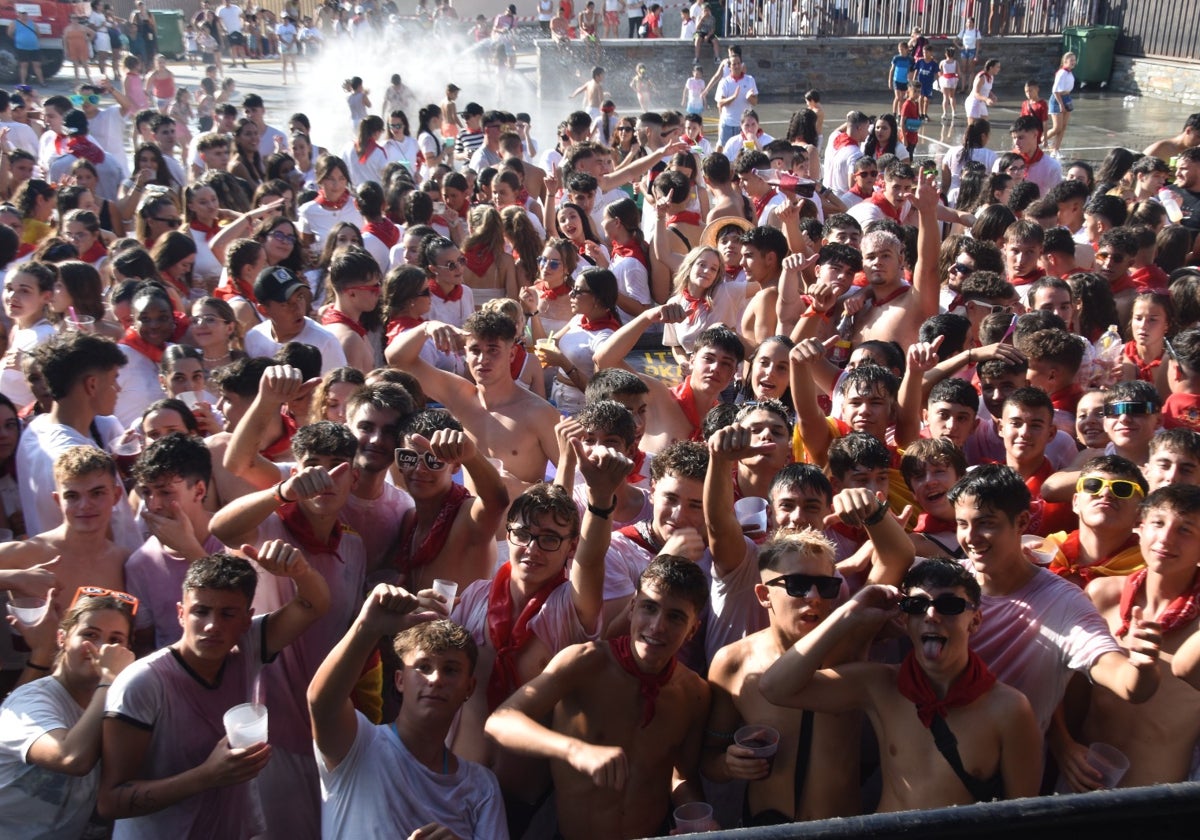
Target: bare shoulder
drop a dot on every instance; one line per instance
(1105, 592)
(728, 663)
(1008, 705)
(23, 553)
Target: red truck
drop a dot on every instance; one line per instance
(50, 17)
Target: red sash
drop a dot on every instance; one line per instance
(975, 681)
(630, 249)
(889, 298)
(1124, 283)
(231, 288)
(640, 533)
(518, 360)
(649, 685)
(927, 523)
(134, 340)
(694, 305)
(639, 461)
(82, 147)
(284, 442)
(885, 207)
(1179, 612)
(1030, 160)
(454, 295)
(408, 556)
(1070, 551)
(1027, 279)
(761, 202)
(336, 316)
(1067, 398)
(841, 140)
(508, 637)
(95, 253)
(1145, 369)
(368, 151)
(300, 528)
(687, 217)
(546, 293)
(209, 231)
(1149, 278)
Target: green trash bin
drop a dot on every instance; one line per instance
(169, 23)
(1094, 47)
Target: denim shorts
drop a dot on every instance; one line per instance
(1067, 105)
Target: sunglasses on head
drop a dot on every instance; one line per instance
(100, 592)
(407, 459)
(798, 584)
(1122, 488)
(945, 604)
(1135, 408)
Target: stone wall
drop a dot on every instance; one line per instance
(783, 67)
(1159, 78)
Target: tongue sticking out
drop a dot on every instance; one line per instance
(932, 646)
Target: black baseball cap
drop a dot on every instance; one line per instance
(278, 284)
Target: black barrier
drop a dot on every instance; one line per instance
(1165, 812)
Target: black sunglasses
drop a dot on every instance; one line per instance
(945, 604)
(798, 584)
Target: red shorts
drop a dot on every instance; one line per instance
(612, 19)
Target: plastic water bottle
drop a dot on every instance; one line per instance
(1111, 348)
(1168, 200)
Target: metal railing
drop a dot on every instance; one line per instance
(1161, 28)
(776, 18)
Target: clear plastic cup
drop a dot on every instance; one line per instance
(762, 741)
(448, 589)
(27, 610)
(80, 323)
(1034, 544)
(246, 725)
(545, 344)
(751, 513)
(1109, 762)
(693, 817)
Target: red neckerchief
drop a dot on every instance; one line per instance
(546, 293)
(94, 253)
(518, 360)
(885, 207)
(731, 271)
(608, 322)
(761, 202)
(231, 288)
(462, 209)
(639, 461)
(1067, 398)
(180, 288)
(1031, 277)
(454, 295)
(368, 151)
(1030, 160)
(408, 556)
(641, 534)
(301, 529)
(1070, 550)
(324, 201)
(1124, 283)
(383, 229)
(685, 399)
(850, 532)
(439, 221)
(399, 324)
(284, 442)
(209, 231)
(649, 685)
(337, 316)
(479, 258)
(182, 324)
(82, 147)
(889, 298)
(629, 249)
(1149, 278)
(523, 196)
(1145, 369)
(507, 636)
(913, 683)
(927, 523)
(685, 217)
(134, 340)
(841, 140)
(694, 305)
(863, 191)
(1179, 612)
(738, 78)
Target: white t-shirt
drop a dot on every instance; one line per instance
(969, 38)
(107, 128)
(380, 791)
(579, 346)
(454, 312)
(723, 310)
(731, 114)
(21, 136)
(139, 386)
(369, 170)
(1064, 81)
(231, 17)
(207, 266)
(738, 142)
(318, 220)
(377, 521)
(183, 715)
(632, 279)
(12, 377)
(1035, 637)
(260, 341)
(36, 802)
(266, 141)
(154, 576)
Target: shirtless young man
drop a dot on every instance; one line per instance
(548, 596)
(941, 684)
(78, 552)
(448, 534)
(815, 773)
(675, 413)
(619, 766)
(357, 283)
(1158, 737)
(506, 421)
(897, 310)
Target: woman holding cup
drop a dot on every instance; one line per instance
(77, 304)
(594, 304)
(50, 727)
(181, 374)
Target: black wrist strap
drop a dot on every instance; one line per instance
(603, 513)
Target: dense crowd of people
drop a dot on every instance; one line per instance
(361, 440)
